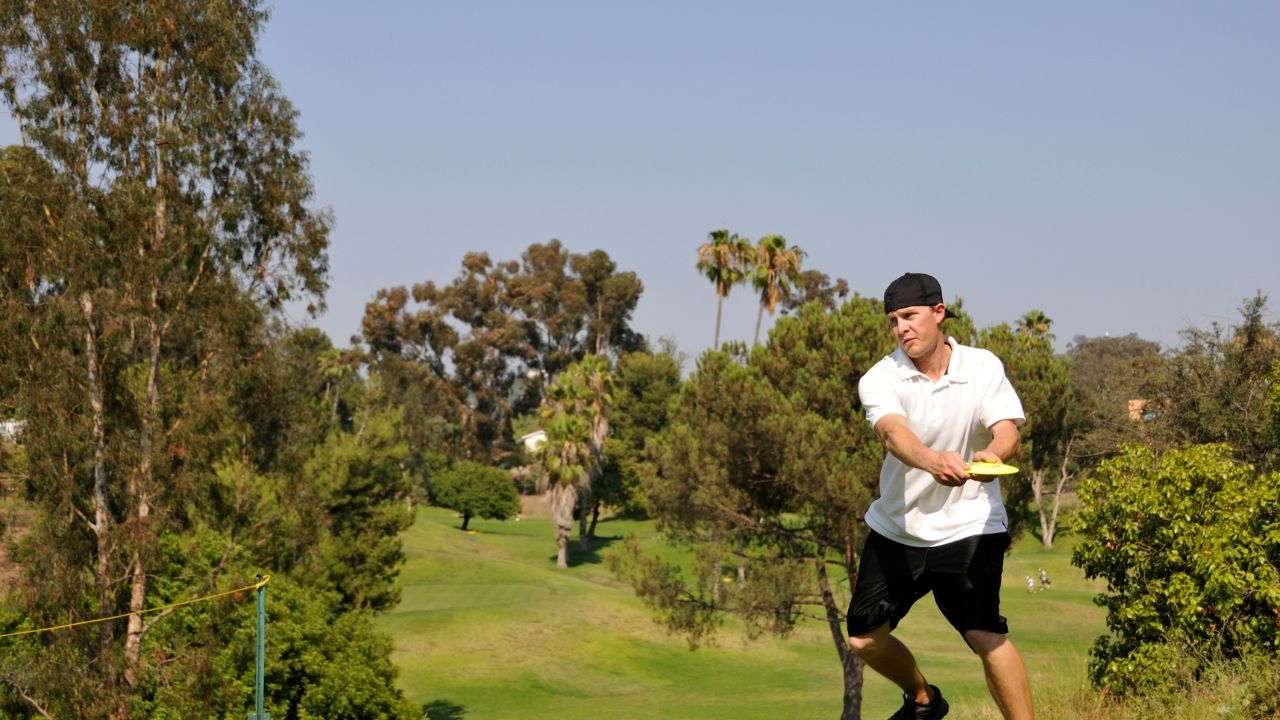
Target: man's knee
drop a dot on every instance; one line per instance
(870, 642)
(985, 642)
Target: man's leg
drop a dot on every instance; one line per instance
(888, 656)
(1006, 675)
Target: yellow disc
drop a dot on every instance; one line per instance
(987, 468)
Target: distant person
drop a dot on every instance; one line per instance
(1031, 585)
(1044, 580)
(936, 404)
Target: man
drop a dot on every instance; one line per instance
(935, 404)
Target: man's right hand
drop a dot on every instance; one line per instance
(949, 468)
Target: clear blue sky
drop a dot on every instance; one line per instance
(1116, 165)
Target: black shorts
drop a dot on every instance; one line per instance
(964, 576)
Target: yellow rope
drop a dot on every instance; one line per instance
(255, 586)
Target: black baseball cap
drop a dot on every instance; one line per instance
(913, 289)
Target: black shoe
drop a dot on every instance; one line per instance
(911, 710)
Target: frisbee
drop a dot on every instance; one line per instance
(988, 468)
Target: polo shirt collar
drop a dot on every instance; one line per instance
(957, 370)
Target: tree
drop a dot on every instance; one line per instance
(775, 270)
(159, 214)
(478, 352)
(642, 390)
(362, 479)
(771, 460)
(553, 295)
(1036, 324)
(1111, 376)
(611, 297)
(816, 286)
(1187, 542)
(724, 260)
(577, 425)
(1215, 387)
(476, 490)
(181, 148)
(1042, 381)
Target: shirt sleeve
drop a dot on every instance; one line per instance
(1000, 401)
(878, 396)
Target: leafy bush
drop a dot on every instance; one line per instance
(475, 490)
(1189, 544)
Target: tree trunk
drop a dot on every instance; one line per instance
(101, 515)
(562, 499)
(1051, 528)
(583, 499)
(759, 316)
(741, 554)
(1049, 524)
(851, 665)
(466, 518)
(1037, 490)
(719, 309)
(595, 517)
(602, 342)
(140, 493)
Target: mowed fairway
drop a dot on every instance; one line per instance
(489, 628)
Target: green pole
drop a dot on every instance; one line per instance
(262, 636)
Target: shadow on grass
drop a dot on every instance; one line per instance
(443, 710)
(593, 554)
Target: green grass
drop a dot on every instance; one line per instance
(489, 628)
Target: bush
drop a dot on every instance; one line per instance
(1189, 544)
(475, 490)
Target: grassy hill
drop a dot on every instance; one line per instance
(488, 628)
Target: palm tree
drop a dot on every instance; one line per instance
(1036, 324)
(336, 365)
(724, 259)
(577, 426)
(777, 268)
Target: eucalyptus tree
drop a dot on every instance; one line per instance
(724, 260)
(816, 286)
(775, 270)
(551, 293)
(477, 352)
(611, 296)
(576, 417)
(161, 211)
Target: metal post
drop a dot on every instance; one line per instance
(262, 644)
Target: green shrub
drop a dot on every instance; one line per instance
(475, 490)
(1188, 543)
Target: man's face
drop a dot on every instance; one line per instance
(917, 328)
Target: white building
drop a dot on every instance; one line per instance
(534, 440)
(10, 429)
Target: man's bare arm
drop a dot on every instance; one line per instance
(948, 468)
(1003, 445)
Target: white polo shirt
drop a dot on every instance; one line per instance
(954, 414)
